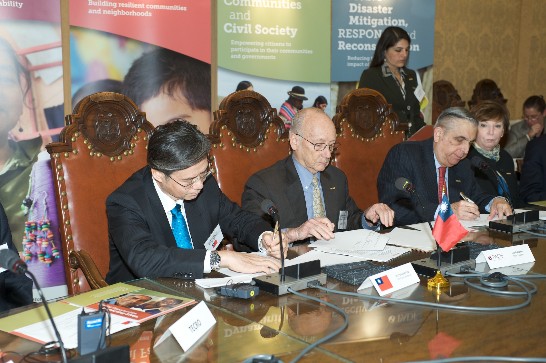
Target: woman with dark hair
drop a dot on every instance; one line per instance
(321, 102)
(389, 75)
(245, 86)
(16, 156)
(493, 167)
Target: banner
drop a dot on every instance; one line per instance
(275, 45)
(155, 52)
(31, 78)
(358, 24)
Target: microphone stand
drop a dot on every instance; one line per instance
(46, 306)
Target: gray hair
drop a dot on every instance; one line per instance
(301, 115)
(449, 115)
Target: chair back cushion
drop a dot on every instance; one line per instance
(247, 136)
(367, 129)
(103, 143)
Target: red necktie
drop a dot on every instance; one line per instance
(441, 182)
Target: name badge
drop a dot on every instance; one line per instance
(392, 280)
(506, 256)
(421, 97)
(342, 221)
(214, 239)
(191, 327)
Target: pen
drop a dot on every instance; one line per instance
(466, 198)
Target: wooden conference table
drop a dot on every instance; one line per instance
(285, 325)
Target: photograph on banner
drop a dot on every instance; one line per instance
(33, 107)
(357, 26)
(167, 76)
(282, 51)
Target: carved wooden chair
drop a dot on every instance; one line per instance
(367, 129)
(444, 95)
(103, 143)
(247, 136)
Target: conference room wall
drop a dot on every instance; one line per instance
(498, 39)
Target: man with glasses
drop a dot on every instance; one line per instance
(163, 220)
(435, 166)
(311, 195)
(531, 127)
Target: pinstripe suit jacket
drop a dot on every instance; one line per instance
(414, 160)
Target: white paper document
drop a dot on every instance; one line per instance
(417, 236)
(359, 239)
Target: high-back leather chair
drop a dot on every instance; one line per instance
(444, 95)
(104, 142)
(247, 136)
(367, 129)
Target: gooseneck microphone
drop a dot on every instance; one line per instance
(11, 261)
(480, 164)
(405, 185)
(269, 208)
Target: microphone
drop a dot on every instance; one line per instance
(296, 277)
(270, 208)
(11, 261)
(404, 184)
(477, 162)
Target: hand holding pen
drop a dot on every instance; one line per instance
(466, 209)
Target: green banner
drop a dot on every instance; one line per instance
(286, 40)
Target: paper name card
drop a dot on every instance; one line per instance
(191, 327)
(392, 280)
(506, 256)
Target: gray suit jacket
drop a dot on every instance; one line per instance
(281, 184)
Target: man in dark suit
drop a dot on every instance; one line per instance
(15, 289)
(289, 185)
(143, 219)
(533, 172)
(420, 162)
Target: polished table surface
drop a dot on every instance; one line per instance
(377, 331)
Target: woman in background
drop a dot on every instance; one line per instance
(321, 102)
(245, 86)
(487, 158)
(389, 76)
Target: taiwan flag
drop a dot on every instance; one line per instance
(383, 283)
(447, 230)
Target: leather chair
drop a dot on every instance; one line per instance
(367, 129)
(103, 143)
(247, 136)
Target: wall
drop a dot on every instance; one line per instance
(504, 40)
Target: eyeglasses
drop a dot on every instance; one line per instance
(321, 146)
(190, 182)
(533, 118)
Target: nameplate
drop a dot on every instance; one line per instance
(392, 280)
(191, 327)
(214, 239)
(506, 256)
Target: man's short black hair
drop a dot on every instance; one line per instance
(176, 145)
(163, 70)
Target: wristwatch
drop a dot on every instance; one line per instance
(215, 260)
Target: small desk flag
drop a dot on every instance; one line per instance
(447, 230)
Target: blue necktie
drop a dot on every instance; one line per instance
(180, 229)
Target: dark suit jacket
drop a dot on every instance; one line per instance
(281, 184)
(408, 109)
(141, 240)
(15, 289)
(414, 160)
(533, 172)
(488, 182)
